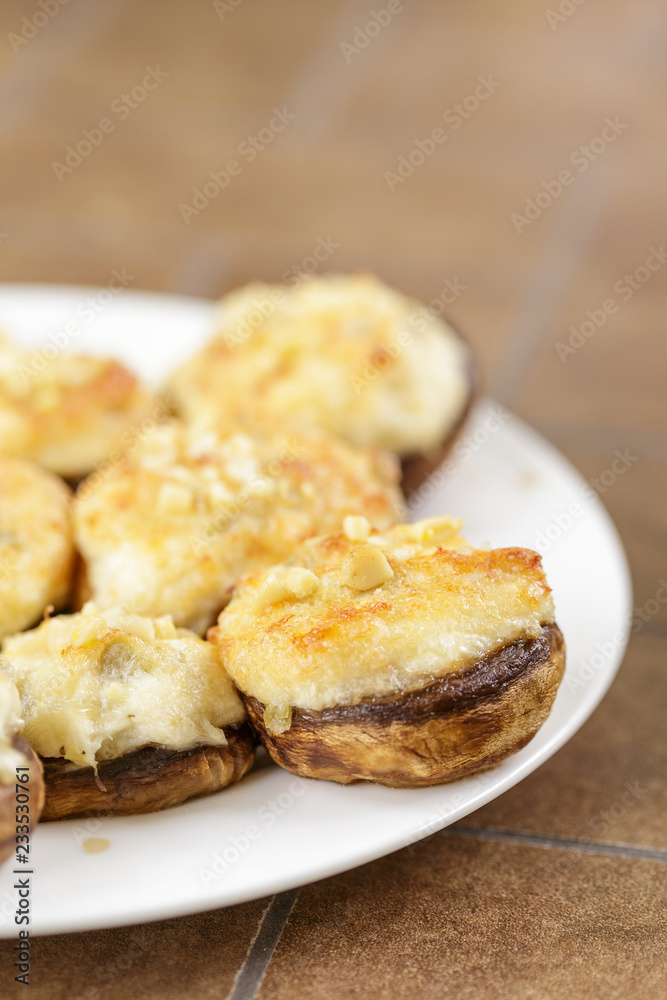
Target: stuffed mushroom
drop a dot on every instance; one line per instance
(342, 353)
(405, 657)
(36, 545)
(66, 411)
(175, 523)
(129, 713)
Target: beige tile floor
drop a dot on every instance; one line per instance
(554, 890)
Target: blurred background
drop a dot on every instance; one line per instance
(506, 159)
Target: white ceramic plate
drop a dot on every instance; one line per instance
(274, 831)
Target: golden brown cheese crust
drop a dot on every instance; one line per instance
(71, 413)
(174, 525)
(384, 615)
(405, 658)
(462, 723)
(36, 545)
(345, 354)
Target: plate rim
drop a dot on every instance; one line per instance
(204, 902)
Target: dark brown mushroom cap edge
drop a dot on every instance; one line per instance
(35, 788)
(148, 779)
(464, 722)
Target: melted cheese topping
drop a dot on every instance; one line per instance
(443, 607)
(36, 546)
(173, 526)
(11, 723)
(100, 684)
(344, 354)
(67, 412)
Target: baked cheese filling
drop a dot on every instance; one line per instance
(11, 723)
(362, 615)
(171, 528)
(36, 545)
(345, 354)
(99, 684)
(66, 412)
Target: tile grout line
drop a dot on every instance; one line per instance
(249, 977)
(558, 843)
(658, 630)
(24, 81)
(567, 242)
(318, 93)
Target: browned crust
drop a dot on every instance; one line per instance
(35, 788)
(464, 722)
(148, 779)
(418, 468)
